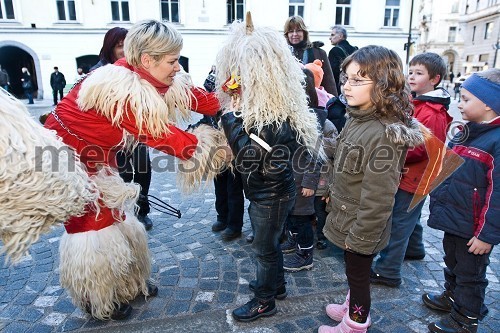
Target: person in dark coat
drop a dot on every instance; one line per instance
(341, 49)
(27, 85)
(57, 82)
(297, 36)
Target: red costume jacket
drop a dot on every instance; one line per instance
(96, 139)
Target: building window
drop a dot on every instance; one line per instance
(488, 30)
(66, 10)
(119, 10)
(469, 58)
(473, 33)
(296, 7)
(235, 10)
(452, 35)
(6, 10)
(483, 57)
(170, 10)
(391, 16)
(343, 12)
(454, 7)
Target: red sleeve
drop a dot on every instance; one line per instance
(435, 118)
(204, 102)
(178, 143)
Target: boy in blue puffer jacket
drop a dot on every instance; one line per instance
(466, 206)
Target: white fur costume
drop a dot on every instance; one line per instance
(35, 192)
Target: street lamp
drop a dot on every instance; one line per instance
(495, 47)
(408, 44)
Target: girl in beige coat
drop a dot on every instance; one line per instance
(366, 173)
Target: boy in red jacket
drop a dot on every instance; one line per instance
(431, 106)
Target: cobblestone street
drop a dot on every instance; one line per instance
(201, 279)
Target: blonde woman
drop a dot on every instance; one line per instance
(104, 256)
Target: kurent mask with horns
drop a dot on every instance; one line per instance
(259, 79)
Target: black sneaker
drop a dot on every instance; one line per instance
(443, 302)
(229, 235)
(280, 291)
(454, 323)
(219, 226)
(376, 278)
(255, 309)
(144, 219)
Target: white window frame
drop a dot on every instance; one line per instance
(343, 7)
(169, 5)
(452, 34)
(235, 4)
(392, 9)
(66, 11)
(296, 5)
(488, 29)
(120, 13)
(4, 14)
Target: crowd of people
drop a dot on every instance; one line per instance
(361, 180)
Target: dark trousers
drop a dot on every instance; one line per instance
(135, 167)
(229, 199)
(268, 218)
(302, 227)
(29, 94)
(320, 210)
(54, 94)
(357, 269)
(465, 276)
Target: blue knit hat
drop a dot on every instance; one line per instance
(487, 91)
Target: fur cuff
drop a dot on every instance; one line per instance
(207, 162)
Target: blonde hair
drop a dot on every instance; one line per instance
(151, 37)
(271, 82)
(25, 70)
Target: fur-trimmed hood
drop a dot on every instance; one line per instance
(412, 136)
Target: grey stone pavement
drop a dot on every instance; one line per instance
(201, 279)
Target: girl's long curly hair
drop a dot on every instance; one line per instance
(391, 93)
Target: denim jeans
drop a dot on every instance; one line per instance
(465, 276)
(301, 225)
(29, 95)
(403, 223)
(268, 218)
(229, 199)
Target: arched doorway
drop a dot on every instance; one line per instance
(13, 57)
(449, 58)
